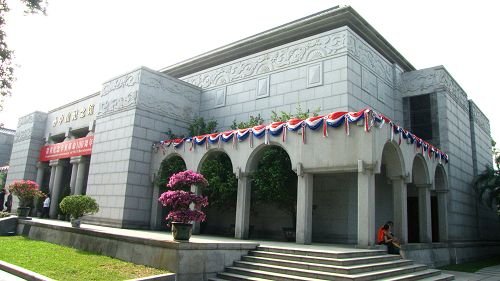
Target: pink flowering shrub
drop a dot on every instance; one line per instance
(179, 200)
(184, 180)
(25, 190)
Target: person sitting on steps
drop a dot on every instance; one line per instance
(385, 237)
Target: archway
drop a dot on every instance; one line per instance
(419, 203)
(273, 194)
(222, 190)
(169, 166)
(439, 206)
(390, 191)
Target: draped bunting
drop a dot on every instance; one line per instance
(369, 118)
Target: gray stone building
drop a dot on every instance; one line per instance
(333, 61)
(6, 142)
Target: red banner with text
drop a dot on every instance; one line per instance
(67, 149)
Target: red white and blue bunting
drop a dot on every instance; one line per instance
(369, 118)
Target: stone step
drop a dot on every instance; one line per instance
(261, 275)
(323, 260)
(319, 253)
(424, 275)
(225, 276)
(353, 269)
(242, 267)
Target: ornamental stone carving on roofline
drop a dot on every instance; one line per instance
(479, 118)
(369, 58)
(319, 47)
(431, 80)
(127, 80)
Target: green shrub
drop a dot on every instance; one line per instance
(79, 205)
(4, 214)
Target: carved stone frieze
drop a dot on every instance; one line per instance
(369, 58)
(173, 88)
(22, 135)
(127, 80)
(31, 118)
(276, 59)
(431, 80)
(117, 103)
(478, 117)
(453, 89)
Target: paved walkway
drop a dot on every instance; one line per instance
(491, 273)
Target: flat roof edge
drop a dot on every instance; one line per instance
(308, 26)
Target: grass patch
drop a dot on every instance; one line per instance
(64, 263)
(474, 266)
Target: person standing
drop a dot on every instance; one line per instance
(8, 203)
(2, 198)
(46, 206)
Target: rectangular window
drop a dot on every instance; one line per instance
(421, 117)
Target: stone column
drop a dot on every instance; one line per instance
(242, 222)
(366, 206)
(40, 172)
(57, 188)
(442, 198)
(39, 179)
(80, 175)
(424, 213)
(74, 169)
(196, 225)
(399, 190)
(156, 209)
(304, 208)
(51, 180)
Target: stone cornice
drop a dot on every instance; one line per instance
(308, 26)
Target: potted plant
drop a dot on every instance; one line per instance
(185, 205)
(26, 191)
(77, 206)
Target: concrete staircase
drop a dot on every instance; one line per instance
(273, 263)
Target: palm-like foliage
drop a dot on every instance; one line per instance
(487, 186)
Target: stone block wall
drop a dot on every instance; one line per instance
(336, 208)
(28, 140)
(135, 110)
(310, 73)
(6, 142)
(371, 81)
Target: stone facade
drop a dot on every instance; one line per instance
(6, 142)
(338, 63)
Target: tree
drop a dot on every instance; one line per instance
(487, 187)
(487, 184)
(200, 127)
(6, 54)
(274, 182)
(169, 167)
(221, 180)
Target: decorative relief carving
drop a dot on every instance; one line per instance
(313, 49)
(453, 88)
(25, 120)
(173, 88)
(118, 103)
(22, 135)
(430, 80)
(33, 117)
(168, 97)
(478, 117)
(128, 80)
(369, 58)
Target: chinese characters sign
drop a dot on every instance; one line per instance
(74, 115)
(77, 147)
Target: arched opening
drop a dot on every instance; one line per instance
(169, 166)
(222, 190)
(390, 191)
(274, 195)
(419, 203)
(439, 206)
